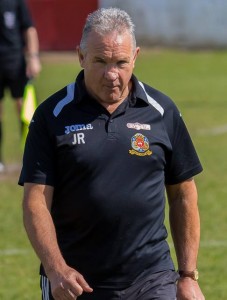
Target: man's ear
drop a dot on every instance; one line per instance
(135, 56)
(81, 56)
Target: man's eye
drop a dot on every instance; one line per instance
(122, 63)
(100, 61)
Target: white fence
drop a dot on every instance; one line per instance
(190, 23)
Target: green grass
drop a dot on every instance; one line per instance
(197, 83)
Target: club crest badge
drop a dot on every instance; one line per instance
(140, 145)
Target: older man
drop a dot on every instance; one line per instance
(99, 156)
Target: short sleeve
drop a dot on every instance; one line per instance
(182, 162)
(38, 159)
(24, 15)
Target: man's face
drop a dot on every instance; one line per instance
(108, 63)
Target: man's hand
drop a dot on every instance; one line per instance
(33, 66)
(188, 289)
(68, 285)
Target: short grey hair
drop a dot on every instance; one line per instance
(107, 20)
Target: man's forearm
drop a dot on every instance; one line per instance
(40, 229)
(185, 225)
(32, 42)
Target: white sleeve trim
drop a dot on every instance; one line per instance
(68, 98)
(152, 101)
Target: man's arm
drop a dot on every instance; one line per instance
(32, 52)
(66, 283)
(185, 229)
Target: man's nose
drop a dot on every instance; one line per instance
(111, 74)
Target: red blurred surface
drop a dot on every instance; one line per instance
(59, 22)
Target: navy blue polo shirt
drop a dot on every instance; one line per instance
(109, 173)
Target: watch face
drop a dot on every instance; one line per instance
(196, 274)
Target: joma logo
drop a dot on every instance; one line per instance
(77, 127)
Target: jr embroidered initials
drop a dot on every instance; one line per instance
(78, 138)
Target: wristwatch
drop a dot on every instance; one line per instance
(191, 274)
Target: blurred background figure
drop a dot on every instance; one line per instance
(19, 55)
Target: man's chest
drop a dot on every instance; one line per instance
(132, 136)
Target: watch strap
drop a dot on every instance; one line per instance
(191, 274)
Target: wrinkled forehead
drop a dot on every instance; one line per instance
(110, 39)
